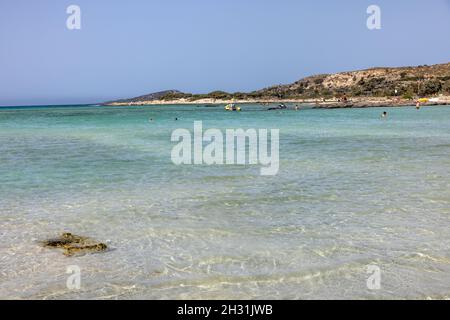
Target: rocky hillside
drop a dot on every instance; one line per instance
(375, 82)
(150, 97)
(404, 82)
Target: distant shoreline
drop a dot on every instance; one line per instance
(375, 87)
(315, 103)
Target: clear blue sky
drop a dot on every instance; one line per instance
(128, 48)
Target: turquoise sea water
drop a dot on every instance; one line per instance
(352, 190)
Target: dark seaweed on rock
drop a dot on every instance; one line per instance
(75, 244)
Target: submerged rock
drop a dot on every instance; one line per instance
(73, 244)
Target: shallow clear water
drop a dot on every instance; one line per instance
(352, 191)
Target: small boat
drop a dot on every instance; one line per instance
(279, 107)
(232, 107)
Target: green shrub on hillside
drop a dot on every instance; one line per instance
(430, 87)
(446, 87)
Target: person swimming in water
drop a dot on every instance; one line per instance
(384, 115)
